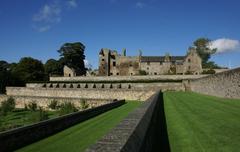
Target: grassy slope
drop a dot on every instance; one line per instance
(20, 117)
(81, 136)
(202, 123)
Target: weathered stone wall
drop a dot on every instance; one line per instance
(13, 139)
(130, 94)
(127, 78)
(154, 85)
(225, 84)
(143, 130)
(45, 101)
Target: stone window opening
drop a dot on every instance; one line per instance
(57, 86)
(155, 73)
(94, 85)
(86, 86)
(189, 60)
(114, 63)
(117, 73)
(102, 86)
(71, 85)
(102, 59)
(147, 68)
(79, 86)
(131, 73)
(64, 86)
(69, 75)
(111, 86)
(129, 86)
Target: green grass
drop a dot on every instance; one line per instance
(202, 123)
(82, 135)
(20, 117)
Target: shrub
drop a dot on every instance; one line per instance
(142, 72)
(53, 105)
(210, 71)
(7, 106)
(83, 104)
(66, 108)
(39, 115)
(43, 115)
(32, 106)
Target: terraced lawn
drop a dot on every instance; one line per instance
(202, 123)
(81, 136)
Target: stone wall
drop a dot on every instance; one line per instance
(140, 86)
(43, 102)
(127, 78)
(17, 138)
(143, 130)
(128, 94)
(225, 84)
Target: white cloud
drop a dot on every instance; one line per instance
(72, 4)
(87, 64)
(44, 28)
(140, 4)
(49, 13)
(225, 45)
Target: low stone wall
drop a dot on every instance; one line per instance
(127, 78)
(143, 130)
(128, 94)
(17, 138)
(225, 84)
(43, 102)
(141, 85)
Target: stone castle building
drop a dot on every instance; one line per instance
(112, 63)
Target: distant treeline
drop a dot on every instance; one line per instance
(29, 69)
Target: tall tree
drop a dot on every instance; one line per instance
(4, 75)
(53, 67)
(29, 69)
(73, 56)
(204, 51)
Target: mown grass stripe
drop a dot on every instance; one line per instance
(81, 136)
(202, 123)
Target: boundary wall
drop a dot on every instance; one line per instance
(17, 138)
(225, 84)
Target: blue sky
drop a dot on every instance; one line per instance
(39, 28)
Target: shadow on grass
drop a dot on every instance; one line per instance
(162, 141)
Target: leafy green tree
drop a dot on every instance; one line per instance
(73, 56)
(29, 69)
(204, 51)
(4, 75)
(53, 67)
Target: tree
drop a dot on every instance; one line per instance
(73, 56)
(53, 67)
(29, 69)
(204, 51)
(4, 75)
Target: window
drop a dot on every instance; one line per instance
(111, 73)
(102, 59)
(130, 64)
(189, 60)
(155, 73)
(189, 67)
(147, 68)
(114, 63)
(117, 73)
(69, 75)
(131, 73)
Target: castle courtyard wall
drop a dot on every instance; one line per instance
(225, 84)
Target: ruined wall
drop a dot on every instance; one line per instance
(225, 84)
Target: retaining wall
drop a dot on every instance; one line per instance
(17, 138)
(143, 130)
(43, 102)
(225, 84)
(127, 78)
(128, 94)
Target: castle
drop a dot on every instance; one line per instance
(111, 64)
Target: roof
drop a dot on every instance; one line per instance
(160, 58)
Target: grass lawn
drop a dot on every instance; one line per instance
(82, 135)
(202, 123)
(21, 117)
